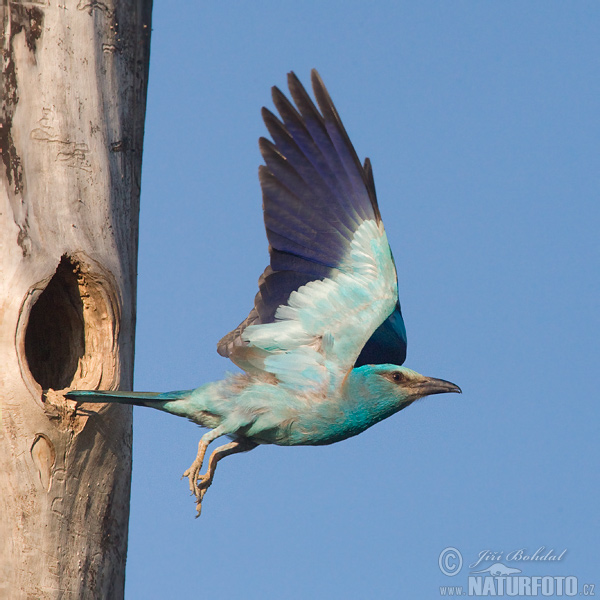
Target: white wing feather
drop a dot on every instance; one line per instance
(322, 329)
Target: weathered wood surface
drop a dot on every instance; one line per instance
(73, 90)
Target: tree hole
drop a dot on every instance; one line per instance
(55, 334)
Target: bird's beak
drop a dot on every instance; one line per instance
(429, 385)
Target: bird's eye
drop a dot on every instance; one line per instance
(398, 377)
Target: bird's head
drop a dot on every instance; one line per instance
(397, 386)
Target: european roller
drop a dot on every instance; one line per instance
(322, 348)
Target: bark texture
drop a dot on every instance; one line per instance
(73, 90)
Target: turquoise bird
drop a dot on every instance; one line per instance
(321, 349)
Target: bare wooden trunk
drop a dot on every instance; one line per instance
(73, 89)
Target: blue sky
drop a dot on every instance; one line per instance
(482, 122)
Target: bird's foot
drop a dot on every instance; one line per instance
(202, 486)
(198, 483)
(193, 473)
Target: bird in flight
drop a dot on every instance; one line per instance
(322, 348)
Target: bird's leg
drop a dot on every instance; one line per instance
(193, 473)
(221, 452)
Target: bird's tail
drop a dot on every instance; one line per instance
(151, 399)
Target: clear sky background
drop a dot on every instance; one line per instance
(482, 121)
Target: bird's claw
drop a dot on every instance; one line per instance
(193, 473)
(198, 484)
(199, 499)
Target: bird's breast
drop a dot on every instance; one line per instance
(313, 424)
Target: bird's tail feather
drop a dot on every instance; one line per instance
(152, 399)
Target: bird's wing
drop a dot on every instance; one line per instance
(329, 298)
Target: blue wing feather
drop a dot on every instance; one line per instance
(316, 194)
(317, 180)
(323, 150)
(387, 345)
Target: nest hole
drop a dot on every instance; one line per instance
(55, 334)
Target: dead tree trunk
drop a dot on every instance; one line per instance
(73, 90)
